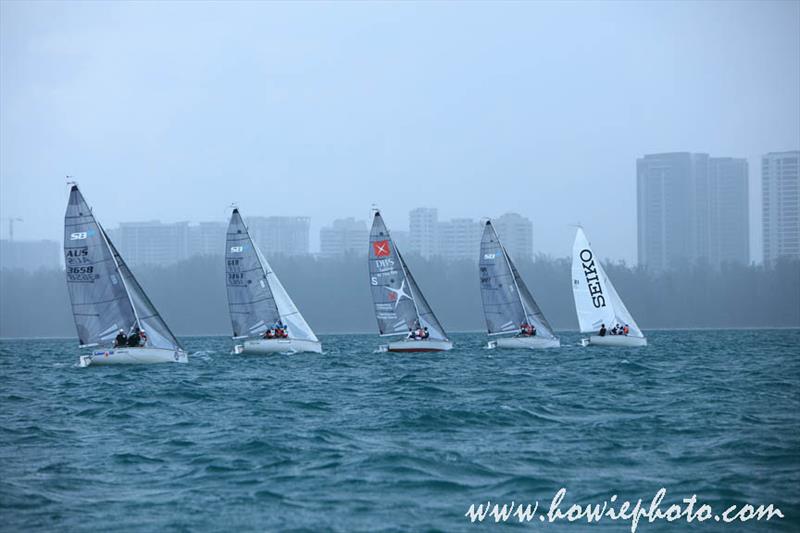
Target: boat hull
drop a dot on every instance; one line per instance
(265, 346)
(412, 345)
(617, 340)
(532, 343)
(133, 356)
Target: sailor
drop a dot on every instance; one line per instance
(143, 335)
(602, 332)
(531, 330)
(412, 334)
(425, 333)
(269, 334)
(121, 339)
(133, 340)
(626, 330)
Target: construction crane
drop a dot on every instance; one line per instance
(11, 221)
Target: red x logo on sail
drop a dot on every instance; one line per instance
(381, 248)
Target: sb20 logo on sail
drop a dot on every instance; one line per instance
(81, 235)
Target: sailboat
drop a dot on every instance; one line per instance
(507, 303)
(106, 298)
(400, 307)
(597, 302)
(257, 300)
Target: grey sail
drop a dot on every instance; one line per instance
(399, 304)
(534, 313)
(250, 301)
(100, 303)
(104, 294)
(502, 306)
(507, 302)
(158, 333)
(425, 314)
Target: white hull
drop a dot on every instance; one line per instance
(614, 340)
(262, 346)
(133, 356)
(524, 342)
(413, 345)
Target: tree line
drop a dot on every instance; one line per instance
(334, 296)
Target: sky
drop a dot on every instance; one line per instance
(173, 111)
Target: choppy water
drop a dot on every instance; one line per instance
(356, 440)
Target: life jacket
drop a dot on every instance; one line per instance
(625, 330)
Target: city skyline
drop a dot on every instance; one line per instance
(543, 116)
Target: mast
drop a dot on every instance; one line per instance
(513, 277)
(116, 267)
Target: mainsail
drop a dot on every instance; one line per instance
(507, 302)
(596, 300)
(104, 293)
(399, 304)
(256, 297)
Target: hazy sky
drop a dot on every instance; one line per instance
(173, 111)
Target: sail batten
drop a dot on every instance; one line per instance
(398, 302)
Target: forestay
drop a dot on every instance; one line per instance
(104, 294)
(596, 300)
(507, 302)
(399, 304)
(256, 297)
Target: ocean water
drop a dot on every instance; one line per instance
(353, 440)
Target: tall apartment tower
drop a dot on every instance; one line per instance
(423, 225)
(459, 238)
(780, 196)
(691, 208)
(516, 234)
(344, 237)
(288, 236)
(152, 242)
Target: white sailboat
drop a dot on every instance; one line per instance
(106, 298)
(596, 301)
(400, 308)
(257, 300)
(507, 303)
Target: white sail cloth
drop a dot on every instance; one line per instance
(596, 300)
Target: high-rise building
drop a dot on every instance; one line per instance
(29, 256)
(400, 238)
(728, 209)
(152, 242)
(207, 238)
(459, 238)
(780, 196)
(691, 208)
(423, 225)
(344, 237)
(287, 236)
(516, 234)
